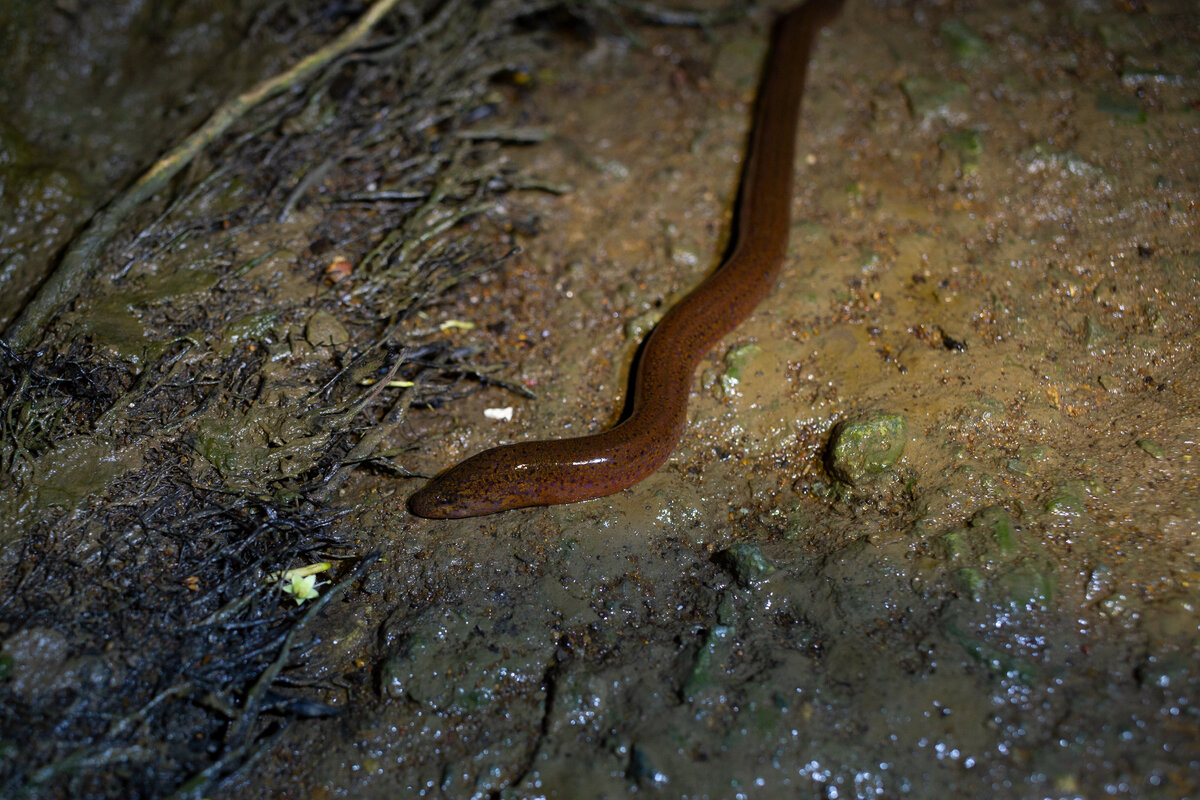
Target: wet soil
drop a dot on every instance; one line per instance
(993, 239)
(984, 581)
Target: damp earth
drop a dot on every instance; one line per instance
(933, 529)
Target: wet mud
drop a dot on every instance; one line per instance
(994, 246)
(933, 529)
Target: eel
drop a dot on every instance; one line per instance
(550, 472)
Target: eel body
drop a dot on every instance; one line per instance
(568, 470)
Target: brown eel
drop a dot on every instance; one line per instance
(568, 470)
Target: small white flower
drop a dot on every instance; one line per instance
(302, 587)
(301, 583)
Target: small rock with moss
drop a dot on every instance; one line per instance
(865, 446)
(747, 563)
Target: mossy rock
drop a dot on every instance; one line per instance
(747, 563)
(864, 446)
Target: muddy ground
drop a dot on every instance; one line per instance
(992, 271)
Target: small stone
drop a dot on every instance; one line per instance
(1000, 523)
(249, 328)
(1065, 501)
(747, 563)
(735, 362)
(1027, 587)
(971, 582)
(935, 97)
(866, 445)
(1152, 448)
(1094, 333)
(324, 330)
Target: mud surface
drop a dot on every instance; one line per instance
(933, 530)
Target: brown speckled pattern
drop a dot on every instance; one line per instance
(568, 470)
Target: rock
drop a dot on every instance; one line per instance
(324, 330)
(747, 563)
(866, 445)
(36, 662)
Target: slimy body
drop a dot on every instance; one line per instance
(569, 470)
